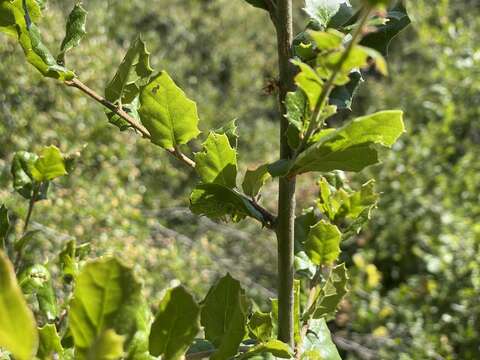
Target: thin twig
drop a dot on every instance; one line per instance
(329, 85)
(76, 83)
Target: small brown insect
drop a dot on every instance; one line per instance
(271, 87)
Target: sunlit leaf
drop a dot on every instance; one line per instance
(18, 330)
(167, 113)
(275, 347)
(318, 344)
(255, 179)
(50, 342)
(323, 243)
(217, 163)
(107, 346)
(49, 165)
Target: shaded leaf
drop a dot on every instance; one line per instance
(18, 330)
(342, 96)
(21, 171)
(106, 296)
(350, 147)
(330, 295)
(167, 113)
(323, 243)
(75, 31)
(255, 179)
(221, 203)
(262, 4)
(260, 326)
(217, 163)
(224, 316)
(4, 226)
(381, 38)
(176, 324)
(231, 130)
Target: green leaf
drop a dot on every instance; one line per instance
(49, 165)
(224, 316)
(75, 31)
(275, 347)
(323, 243)
(262, 4)
(133, 73)
(10, 11)
(323, 10)
(108, 346)
(50, 343)
(309, 81)
(350, 148)
(381, 38)
(221, 203)
(231, 130)
(21, 170)
(37, 280)
(303, 223)
(260, 326)
(342, 96)
(18, 330)
(297, 109)
(254, 180)
(167, 113)
(68, 262)
(106, 296)
(217, 163)
(330, 295)
(4, 226)
(318, 344)
(327, 40)
(176, 324)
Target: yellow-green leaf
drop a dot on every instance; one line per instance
(323, 243)
(49, 165)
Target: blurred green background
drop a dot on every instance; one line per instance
(415, 272)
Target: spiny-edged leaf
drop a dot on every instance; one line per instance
(381, 38)
(260, 326)
(221, 203)
(350, 147)
(10, 11)
(37, 280)
(49, 165)
(318, 343)
(275, 347)
(224, 316)
(330, 295)
(167, 113)
(75, 31)
(309, 81)
(262, 4)
(49, 343)
(255, 179)
(176, 324)
(107, 346)
(18, 330)
(231, 130)
(217, 163)
(323, 10)
(323, 243)
(4, 226)
(106, 296)
(133, 72)
(342, 96)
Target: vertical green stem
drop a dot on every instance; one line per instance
(286, 191)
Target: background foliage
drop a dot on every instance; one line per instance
(415, 274)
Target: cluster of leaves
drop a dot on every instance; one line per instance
(104, 311)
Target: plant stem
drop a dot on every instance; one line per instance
(269, 218)
(329, 85)
(286, 189)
